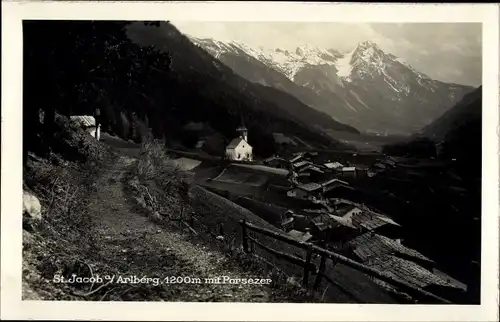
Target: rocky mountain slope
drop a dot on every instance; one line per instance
(367, 88)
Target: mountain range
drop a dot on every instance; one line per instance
(366, 88)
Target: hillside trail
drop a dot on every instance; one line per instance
(143, 249)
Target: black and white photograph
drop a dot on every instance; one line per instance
(277, 161)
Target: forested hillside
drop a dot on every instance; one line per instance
(144, 76)
(459, 132)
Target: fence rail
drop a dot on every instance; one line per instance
(325, 254)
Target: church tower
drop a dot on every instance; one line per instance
(242, 130)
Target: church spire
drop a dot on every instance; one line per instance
(242, 128)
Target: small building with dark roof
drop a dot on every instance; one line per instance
(300, 235)
(276, 162)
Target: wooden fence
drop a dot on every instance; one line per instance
(311, 269)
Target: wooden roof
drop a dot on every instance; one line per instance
(371, 220)
(310, 167)
(333, 181)
(411, 272)
(370, 246)
(299, 235)
(333, 165)
(301, 163)
(311, 186)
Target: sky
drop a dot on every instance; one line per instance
(450, 52)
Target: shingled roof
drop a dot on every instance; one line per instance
(333, 165)
(371, 246)
(412, 272)
(301, 163)
(371, 220)
(311, 186)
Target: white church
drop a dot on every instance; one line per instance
(239, 149)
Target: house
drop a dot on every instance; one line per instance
(347, 171)
(299, 164)
(310, 168)
(361, 171)
(276, 162)
(239, 149)
(310, 171)
(308, 156)
(416, 275)
(333, 184)
(341, 232)
(299, 235)
(334, 165)
(370, 221)
(313, 190)
(88, 123)
(332, 229)
(296, 158)
(348, 211)
(308, 191)
(365, 219)
(369, 247)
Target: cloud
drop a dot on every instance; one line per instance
(446, 51)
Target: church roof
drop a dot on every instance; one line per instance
(234, 143)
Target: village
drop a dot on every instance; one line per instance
(311, 197)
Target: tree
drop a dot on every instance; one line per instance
(76, 66)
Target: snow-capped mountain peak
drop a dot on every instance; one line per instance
(365, 87)
(365, 59)
(285, 61)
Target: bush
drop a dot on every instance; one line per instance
(161, 180)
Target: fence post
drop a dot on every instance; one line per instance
(244, 240)
(321, 271)
(307, 266)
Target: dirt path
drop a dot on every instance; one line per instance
(141, 248)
